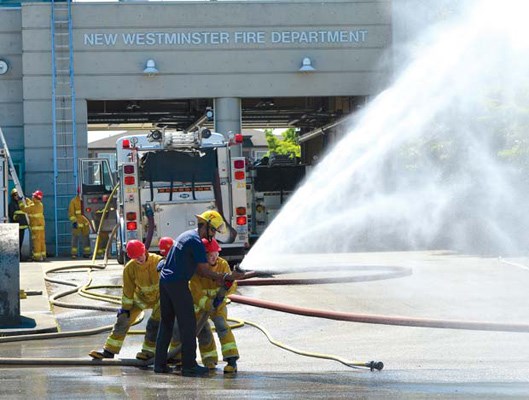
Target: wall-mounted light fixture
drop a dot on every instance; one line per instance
(150, 68)
(4, 67)
(306, 65)
(210, 115)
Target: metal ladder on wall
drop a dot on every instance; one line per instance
(63, 121)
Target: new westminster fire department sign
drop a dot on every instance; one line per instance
(198, 38)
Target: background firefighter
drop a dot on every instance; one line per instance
(80, 227)
(17, 216)
(204, 291)
(34, 209)
(140, 292)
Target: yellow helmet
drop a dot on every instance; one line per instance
(214, 219)
(14, 191)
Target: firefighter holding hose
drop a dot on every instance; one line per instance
(186, 257)
(140, 292)
(207, 300)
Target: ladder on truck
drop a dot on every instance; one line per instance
(63, 121)
(5, 155)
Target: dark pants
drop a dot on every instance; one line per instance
(21, 233)
(176, 301)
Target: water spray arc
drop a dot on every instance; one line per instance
(438, 160)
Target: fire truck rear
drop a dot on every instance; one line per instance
(167, 177)
(270, 184)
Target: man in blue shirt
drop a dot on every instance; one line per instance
(186, 257)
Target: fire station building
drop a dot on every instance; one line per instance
(66, 68)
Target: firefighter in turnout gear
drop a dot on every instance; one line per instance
(17, 216)
(165, 245)
(140, 292)
(34, 209)
(204, 291)
(80, 227)
(103, 241)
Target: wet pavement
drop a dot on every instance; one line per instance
(419, 362)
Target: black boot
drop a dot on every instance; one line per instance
(231, 368)
(99, 355)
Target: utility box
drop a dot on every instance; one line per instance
(9, 276)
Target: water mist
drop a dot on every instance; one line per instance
(438, 160)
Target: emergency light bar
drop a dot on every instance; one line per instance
(179, 139)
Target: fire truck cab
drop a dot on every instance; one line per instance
(168, 177)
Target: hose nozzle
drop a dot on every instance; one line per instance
(372, 365)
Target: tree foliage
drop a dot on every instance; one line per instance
(288, 145)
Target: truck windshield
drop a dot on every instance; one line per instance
(175, 166)
(97, 177)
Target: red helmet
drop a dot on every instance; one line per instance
(212, 246)
(135, 249)
(165, 245)
(38, 194)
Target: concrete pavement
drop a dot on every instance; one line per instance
(419, 362)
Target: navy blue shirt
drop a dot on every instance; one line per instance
(183, 258)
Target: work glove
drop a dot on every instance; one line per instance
(235, 275)
(217, 301)
(123, 311)
(160, 265)
(74, 225)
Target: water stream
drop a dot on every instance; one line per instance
(438, 160)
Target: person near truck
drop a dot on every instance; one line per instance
(208, 301)
(186, 257)
(17, 216)
(80, 228)
(34, 209)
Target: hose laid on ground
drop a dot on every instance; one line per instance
(54, 335)
(381, 319)
(54, 302)
(54, 298)
(77, 362)
(372, 365)
(81, 290)
(84, 290)
(376, 319)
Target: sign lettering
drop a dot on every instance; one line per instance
(204, 38)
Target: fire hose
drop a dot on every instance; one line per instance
(351, 317)
(85, 289)
(100, 227)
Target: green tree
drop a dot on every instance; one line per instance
(287, 145)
